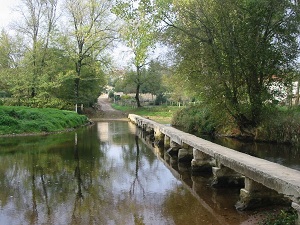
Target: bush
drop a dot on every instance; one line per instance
(195, 119)
(7, 121)
(111, 94)
(280, 125)
(160, 99)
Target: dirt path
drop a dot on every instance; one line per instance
(106, 111)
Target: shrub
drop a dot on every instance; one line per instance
(160, 99)
(280, 125)
(7, 121)
(195, 119)
(111, 94)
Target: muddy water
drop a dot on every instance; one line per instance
(105, 174)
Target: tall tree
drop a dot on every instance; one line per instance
(154, 78)
(11, 59)
(230, 51)
(6, 59)
(89, 33)
(37, 24)
(138, 33)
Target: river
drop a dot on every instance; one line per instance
(105, 174)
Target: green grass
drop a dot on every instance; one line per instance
(285, 217)
(18, 120)
(161, 114)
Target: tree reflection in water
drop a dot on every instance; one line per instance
(136, 182)
(77, 174)
(34, 213)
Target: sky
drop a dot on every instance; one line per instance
(6, 12)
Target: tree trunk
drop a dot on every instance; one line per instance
(137, 95)
(138, 85)
(297, 93)
(76, 92)
(76, 81)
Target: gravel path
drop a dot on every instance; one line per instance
(106, 111)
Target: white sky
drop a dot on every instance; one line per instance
(6, 12)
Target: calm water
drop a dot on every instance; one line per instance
(105, 174)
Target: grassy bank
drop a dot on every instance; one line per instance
(160, 114)
(19, 120)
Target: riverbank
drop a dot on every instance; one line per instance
(15, 120)
(161, 114)
(278, 124)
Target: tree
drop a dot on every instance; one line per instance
(89, 33)
(125, 83)
(50, 58)
(154, 74)
(138, 33)
(231, 51)
(6, 60)
(12, 81)
(39, 18)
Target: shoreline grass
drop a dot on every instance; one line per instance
(161, 114)
(26, 120)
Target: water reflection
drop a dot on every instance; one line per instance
(103, 174)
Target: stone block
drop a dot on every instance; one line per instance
(184, 155)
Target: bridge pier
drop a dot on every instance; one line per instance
(201, 162)
(255, 195)
(185, 153)
(167, 142)
(224, 176)
(296, 206)
(159, 137)
(149, 130)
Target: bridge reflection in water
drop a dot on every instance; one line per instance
(263, 182)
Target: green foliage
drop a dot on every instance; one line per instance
(111, 94)
(160, 99)
(285, 217)
(151, 81)
(195, 119)
(41, 71)
(280, 125)
(153, 78)
(125, 83)
(230, 52)
(17, 120)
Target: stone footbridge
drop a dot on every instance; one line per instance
(263, 181)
